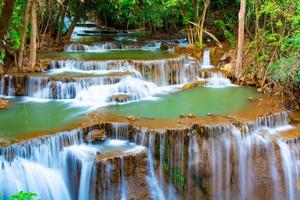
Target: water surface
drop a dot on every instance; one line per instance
(23, 117)
(199, 101)
(110, 55)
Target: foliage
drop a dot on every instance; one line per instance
(225, 28)
(15, 28)
(22, 196)
(178, 177)
(275, 45)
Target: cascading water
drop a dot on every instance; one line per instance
(64, 88)
(206, 60)
(2, 84)
(7, 86)
(162, 72)
(131, 80)
(227, 164)
(208, 73)
(60, 166)
(104, 47)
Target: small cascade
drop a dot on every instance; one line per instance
(120, 131)
(100, 83)
(161, 72)
(63, 88)
(206, 60)
(63, 166)
(270, 123)
(208, 73)
(226, 164)
(2, 88)
(103, 47)
(7, 86)
(218, 80)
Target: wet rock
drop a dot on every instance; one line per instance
(194, 84)
(132, 118)
(190, 50)
(251, 99)
(209, 114)
(120, 98)
(191, 115)
(166, 46)
(3, 103)
(259, 89)
(181, 116)
(4, 142)
(227, 69)
(1, 69)
(96, 136)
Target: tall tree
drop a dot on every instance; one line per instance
(241, 32)
(61, 22)
(196, 9)
(33, 36)
(79, 13)
(6, 14)
(24, 32)
(206, 5)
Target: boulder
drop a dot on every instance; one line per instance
(3, 103)
(132, 118)
(120, 98)
(193, 84)
(96, 135)
(191, 115)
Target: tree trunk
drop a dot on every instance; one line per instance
(196, 10)
(6, 14)
(71, 29)
(61, 24)
(206, 4)
(239, 59)
(33, 36)
(24, 32)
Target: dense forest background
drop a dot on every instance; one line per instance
(265, 33)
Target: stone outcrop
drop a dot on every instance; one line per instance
(3, 103)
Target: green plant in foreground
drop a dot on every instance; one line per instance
(22, 196)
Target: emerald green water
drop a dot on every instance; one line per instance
(110, 55)
(109, 37)
(199, 101)
(22, 118)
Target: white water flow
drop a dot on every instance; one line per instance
(248, 165)
(107, 46)
(7, 86)
(58, 167)
(227, 164)
(100, 83)
(208, 73)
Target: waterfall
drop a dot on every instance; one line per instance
(104, 47)
(28, 176)
(63, 88)
(2, 86)
(206, 60)
(153, 181)
(7, 86)
(218, 80)
(35, 166)
(123, 181)
(161, 72)
(210, 74)
(62, 166)
(11, 86)
(106, 82)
